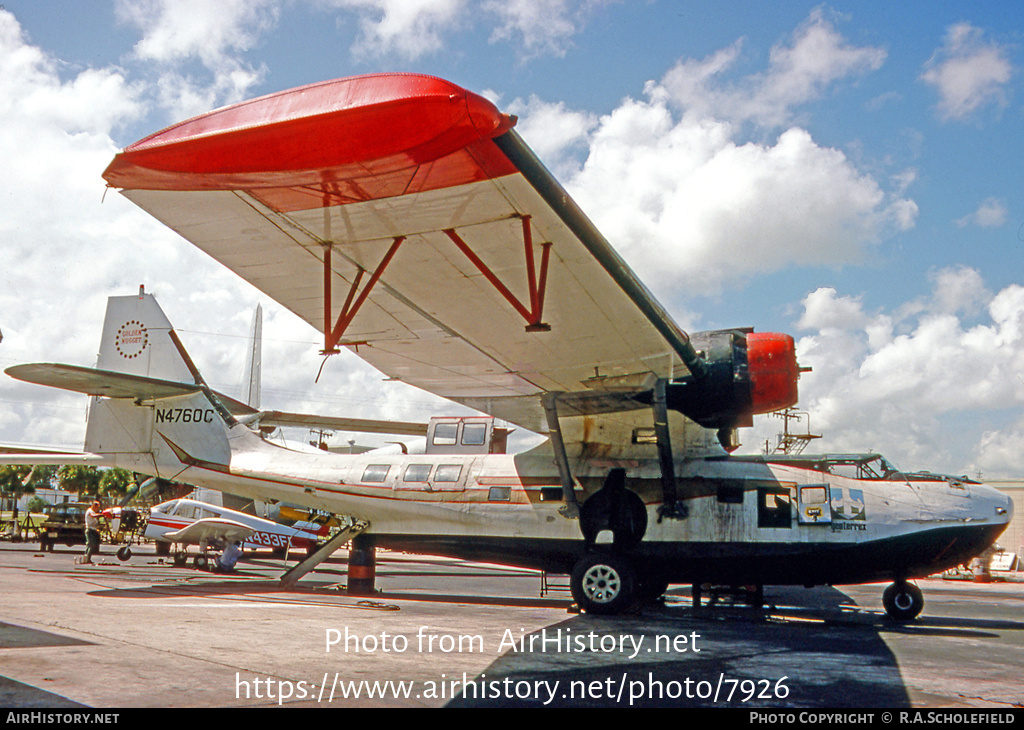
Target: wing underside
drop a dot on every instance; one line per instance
(444, 255)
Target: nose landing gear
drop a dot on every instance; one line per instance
(603, 583)
(903, 601)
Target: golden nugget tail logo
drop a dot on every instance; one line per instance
(131, 339)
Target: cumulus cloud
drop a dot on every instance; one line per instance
(998, 451)
(895, 381)
(968, 72)
(179, 29)
(825, 310)
(415, 28)
(55, 140)
(540, 27)
(179, 34)
(816, 58)
(991, 213)
(558, 134)
(68, 244)
(92, 102)
(692, 203)
(409, 28)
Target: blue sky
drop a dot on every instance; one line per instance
(849, 173)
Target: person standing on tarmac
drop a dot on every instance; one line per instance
(93, 515)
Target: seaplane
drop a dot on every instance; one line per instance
(405, 218)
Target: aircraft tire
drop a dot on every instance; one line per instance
(201, 562)
(903, 601)
(603, 584)
(180, 559)
(124, 553)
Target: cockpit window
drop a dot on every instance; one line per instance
(854, 466)
(167, 507)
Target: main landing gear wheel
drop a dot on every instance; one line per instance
(603, 584)
(201, 562)
(124, 553)
(903, 601)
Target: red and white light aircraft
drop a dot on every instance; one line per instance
(185, 522)
(404, 217)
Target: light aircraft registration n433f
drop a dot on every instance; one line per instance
(182, 522)
(404, 218)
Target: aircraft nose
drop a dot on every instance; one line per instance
(1005, 510)
(998, 504)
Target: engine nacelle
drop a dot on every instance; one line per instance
(746, 373)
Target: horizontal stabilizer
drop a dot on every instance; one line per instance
(20, 454)
(104, 383)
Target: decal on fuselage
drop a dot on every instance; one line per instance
(848, 511)
(268, 539)
(184, 415)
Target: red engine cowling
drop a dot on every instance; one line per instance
(771, 361)
(741, 374)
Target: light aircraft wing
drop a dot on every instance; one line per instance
(210, 530)
(404, 218)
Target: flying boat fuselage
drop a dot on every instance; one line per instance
(748, 521)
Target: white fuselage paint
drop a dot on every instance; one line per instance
(500, 497)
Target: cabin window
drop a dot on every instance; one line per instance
(773, 507)
(448, 473)
(474, 434)
(817, 494)
(376, 473)
(417, 473)
(550, 494)
(499, 494)
(446, 434)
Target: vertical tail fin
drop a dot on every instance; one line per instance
(138, 340)
(255, 359)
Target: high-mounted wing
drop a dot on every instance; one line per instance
(403, 217)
